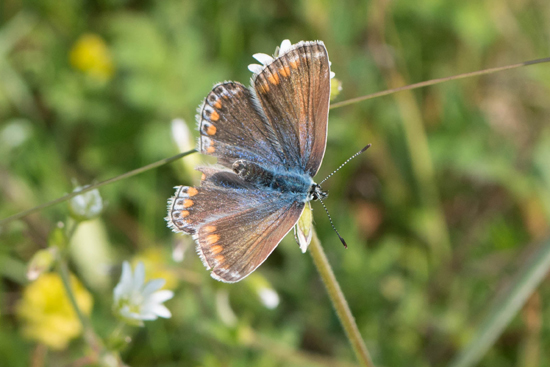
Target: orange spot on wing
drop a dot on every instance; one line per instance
(218, 104)
(210, 150)
(184, 213)
(212, 239)
(294, 64)
(263, 88)
(220, 259)
(216, 249)
(192, 191)
(187, 203)
(203, 177)
(211, 130)
(214, 116)
(285, 71)
(273, 79)
(210, 229)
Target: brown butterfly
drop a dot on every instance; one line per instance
(269, 141)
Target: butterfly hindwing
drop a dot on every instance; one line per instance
(235, 227)
(234, 251)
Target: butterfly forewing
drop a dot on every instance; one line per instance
(231, 128)
(294, 92)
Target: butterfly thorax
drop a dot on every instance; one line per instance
(283, 181)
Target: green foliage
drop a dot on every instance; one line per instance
(439, 213)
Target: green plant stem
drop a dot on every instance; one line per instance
(117, 331)
(65, 277)
(95, 186)
(63, 270)
(339, 301)
(89, 333)
(436, 81)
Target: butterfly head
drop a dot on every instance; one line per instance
(315, 192)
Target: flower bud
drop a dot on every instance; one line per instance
(302, 230)
(41, 262)
(86, 206)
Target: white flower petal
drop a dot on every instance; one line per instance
(152, 286)
(263, 58)
(139, 276)
(285, 46)
(155, 309)
(148, 316)
(124, 286)
(118, 292)
(161, 296)
(126, 276)
(126, 313)
(255, 68)
(162, 311)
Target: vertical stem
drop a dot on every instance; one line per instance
(339, 301)
(65, 277)
(63, 269)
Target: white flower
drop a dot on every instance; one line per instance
(135, 300)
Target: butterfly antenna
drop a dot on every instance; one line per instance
(332, 224)
(343, 164)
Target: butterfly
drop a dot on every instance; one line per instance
(269, 141)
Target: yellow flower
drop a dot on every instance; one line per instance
(91, 55)
(46, 311)
(156, 267)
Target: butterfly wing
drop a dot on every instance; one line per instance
(294, 91)
(282, 122)
(235, 226)
(231, 128)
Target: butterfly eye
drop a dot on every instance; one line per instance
(316, 192)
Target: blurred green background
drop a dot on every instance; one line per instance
(440, 215)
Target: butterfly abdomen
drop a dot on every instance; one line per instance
(284, 182)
